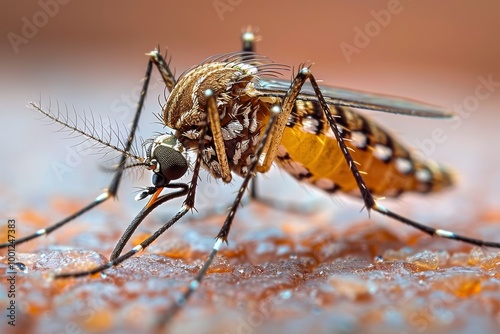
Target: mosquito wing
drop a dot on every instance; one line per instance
(356, 99)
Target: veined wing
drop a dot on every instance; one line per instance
(356, 99)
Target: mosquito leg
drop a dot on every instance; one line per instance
(254, 189)
(224, 231)
(113, 188)
(220, 148)
(115, 182)
(248, 45)
(435, 231)
(368, 199)
(162, 66)
(169, 79)
(44, 231)
(248, 40)
(138, 219)
(150, 206)
(215, 126)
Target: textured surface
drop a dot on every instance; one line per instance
(297, 275)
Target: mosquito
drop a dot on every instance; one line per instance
(238, 118)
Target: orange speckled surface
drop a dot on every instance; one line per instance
(359, 278)
(329, 270)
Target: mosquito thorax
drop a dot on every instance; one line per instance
(186, 103)
(166, 160)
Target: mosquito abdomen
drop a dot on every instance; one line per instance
(310, 152)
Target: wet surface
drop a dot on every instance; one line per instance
(360, 277)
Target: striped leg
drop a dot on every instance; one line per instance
(224, 231)
(154, 58)
(112, 190)
(137, 220)
(248, 39)
(189, 191)
(368, 199)
(213, 117)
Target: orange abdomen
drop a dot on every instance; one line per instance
(309, 151)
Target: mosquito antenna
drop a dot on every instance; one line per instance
(88, 129)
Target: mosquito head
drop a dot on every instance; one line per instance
(166, 160)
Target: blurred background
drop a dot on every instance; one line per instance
(90, 56)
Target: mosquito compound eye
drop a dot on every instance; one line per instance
(172, 163)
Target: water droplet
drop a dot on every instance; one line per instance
(424, 260)
(286, 294)
(476, 255)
